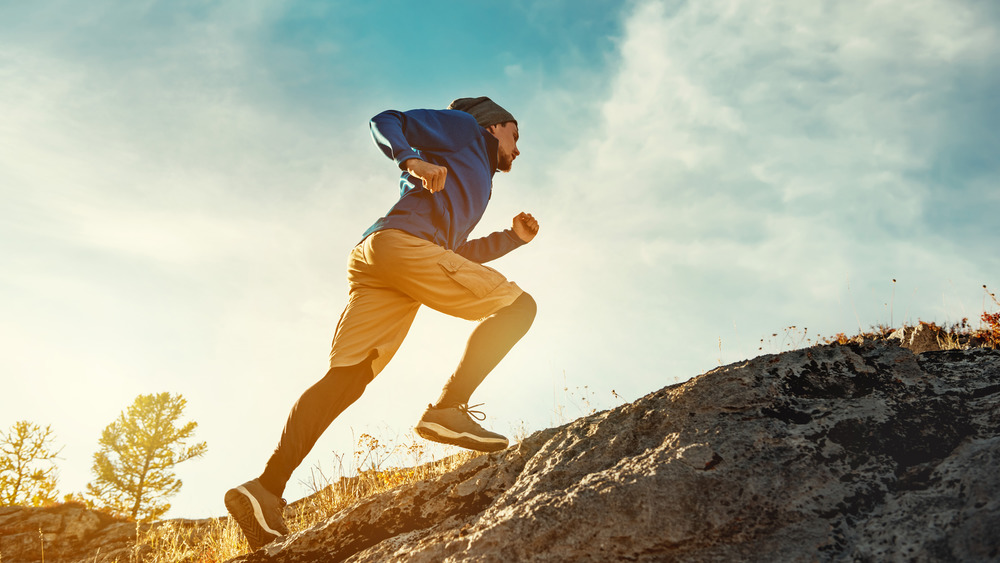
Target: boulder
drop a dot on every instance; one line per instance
(62, 533)
(925, 337)
(70, 533)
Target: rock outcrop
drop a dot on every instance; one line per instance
(70, 533)
(862, 452)
(60, 532)
(924, 337)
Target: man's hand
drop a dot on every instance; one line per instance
(431, 175)
(525, 226)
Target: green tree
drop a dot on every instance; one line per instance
(27, 469)
(133, 466)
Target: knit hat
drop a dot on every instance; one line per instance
(486, 111)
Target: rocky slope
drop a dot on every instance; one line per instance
(864, 452)
(858, 452)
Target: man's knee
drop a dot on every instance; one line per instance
(525, 307)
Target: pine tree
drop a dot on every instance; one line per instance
(27, 469)
(133, 467)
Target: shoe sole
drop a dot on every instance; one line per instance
(245, 509)
(436, 433)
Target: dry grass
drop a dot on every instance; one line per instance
(378, 467)
(957, 336)
(216, 539)
(375, 466)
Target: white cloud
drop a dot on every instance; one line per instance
(513, 71)
(778, 109)
(751, 157)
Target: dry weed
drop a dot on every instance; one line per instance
(375, 466)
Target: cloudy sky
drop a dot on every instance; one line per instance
(181, 183)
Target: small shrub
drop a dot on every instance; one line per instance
(991, 332)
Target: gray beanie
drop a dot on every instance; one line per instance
(486, 111)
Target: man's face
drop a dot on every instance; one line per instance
(507, 134)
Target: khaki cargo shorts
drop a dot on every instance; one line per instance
(391, 273)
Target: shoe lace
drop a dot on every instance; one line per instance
(478, 415)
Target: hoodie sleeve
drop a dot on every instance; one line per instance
(400, 134)
(491, 247)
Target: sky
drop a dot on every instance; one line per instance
(181, 183)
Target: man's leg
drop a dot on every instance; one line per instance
(257, 505)
(452, 284)
(451, 420)
(371, 329)
(310, 417)
(488, 344)
(368, 334)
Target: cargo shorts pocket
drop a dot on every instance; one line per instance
(478, 279)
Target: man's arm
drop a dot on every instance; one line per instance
(491, 247)
(399, 134)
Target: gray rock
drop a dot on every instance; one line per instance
(918, 339)
(836, 453)
(79, 523)
(70, 533)
(60, 533)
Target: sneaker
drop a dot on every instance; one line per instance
(455, 425)
(258, 512)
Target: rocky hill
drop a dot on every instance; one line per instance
(865, 451)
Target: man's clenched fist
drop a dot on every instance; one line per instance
(525, 226)
(431, 175)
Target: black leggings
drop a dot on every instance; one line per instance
(341, 386)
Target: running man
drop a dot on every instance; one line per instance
(417, 254)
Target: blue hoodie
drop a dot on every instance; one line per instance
(454, 140)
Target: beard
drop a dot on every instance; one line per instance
(505, 160)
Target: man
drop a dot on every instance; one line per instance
(417, 254)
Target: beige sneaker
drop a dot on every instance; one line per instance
(259, 513)
(455, 425)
